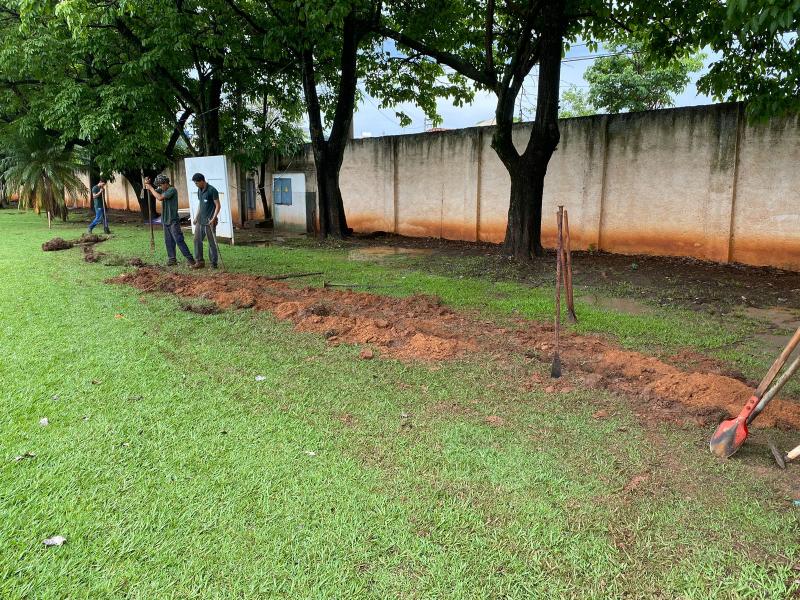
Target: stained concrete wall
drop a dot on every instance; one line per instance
(698, 181)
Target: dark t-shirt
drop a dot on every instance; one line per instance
(169, 206)
(97, 201)
(207, 198)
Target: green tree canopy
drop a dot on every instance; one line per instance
(630, 80)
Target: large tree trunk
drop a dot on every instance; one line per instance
(262, 191)
(135, 179)
(208, 119)
(527, 171)
(329, 154)
(523, 232)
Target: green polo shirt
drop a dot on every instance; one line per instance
(169, 206)
(207, 198)
(97, 202)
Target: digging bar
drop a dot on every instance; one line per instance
(105, 211)
(146, 197)
(573, 318)
(732, 433)
(214, 238)
(781, 458)
(555, 368)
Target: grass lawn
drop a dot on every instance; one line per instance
(173, 473)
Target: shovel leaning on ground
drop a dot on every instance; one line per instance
(732, 433)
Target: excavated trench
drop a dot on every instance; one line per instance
(421, 328)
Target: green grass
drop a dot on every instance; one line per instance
(174, 474)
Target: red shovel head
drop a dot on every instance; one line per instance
(731, 433)
(728, 437)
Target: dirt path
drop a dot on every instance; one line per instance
(421, 328)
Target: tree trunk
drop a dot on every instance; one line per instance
(135, 179)
(527, 171)
(329, 154)
(208, 120)
(262, 191)
(523, 232)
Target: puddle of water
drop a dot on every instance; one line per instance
(385, 252)
(622, 305)
(779, 316)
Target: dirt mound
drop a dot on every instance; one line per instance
(56, 244)
(90, 238)
(201, 308)
(421, 328)
(90, 256)
(86, 240)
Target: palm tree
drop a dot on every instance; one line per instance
(43, 171)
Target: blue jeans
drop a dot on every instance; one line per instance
(202, 232)
(173, 236)
(98, 218)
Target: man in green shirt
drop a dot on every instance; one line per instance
(173, 236)
(98, 204)
(206, 217)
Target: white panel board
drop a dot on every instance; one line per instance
(291, 217)
(215, 170)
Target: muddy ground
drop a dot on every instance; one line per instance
(659, 280)
(421, 328)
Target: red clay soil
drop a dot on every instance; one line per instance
(420, 328)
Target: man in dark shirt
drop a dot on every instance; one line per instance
(173, 236)
(206, 217)
(97, 203)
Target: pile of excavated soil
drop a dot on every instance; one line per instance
(86, 240)
(421, 328)
(56, 244)
(90, 238)
(90, 256)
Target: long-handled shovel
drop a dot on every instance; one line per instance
(555, 368)
(732, 433)
(773, 391)
(105, 212)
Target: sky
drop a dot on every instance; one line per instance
(370, 120)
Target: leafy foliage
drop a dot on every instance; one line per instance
(42, 170)
(631, 80)
(760, 55)
(755, 45)
(575, 103)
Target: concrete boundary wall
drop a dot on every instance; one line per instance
(698, 181)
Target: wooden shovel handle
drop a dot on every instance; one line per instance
(773, 391)
(559, 274)
(792, 454)
(778, 364)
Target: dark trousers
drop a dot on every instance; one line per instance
(173, 236)
(199, 236)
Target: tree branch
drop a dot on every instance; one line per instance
(447, 58)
